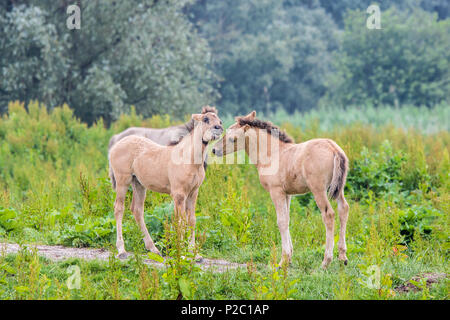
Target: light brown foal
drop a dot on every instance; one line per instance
(176, 170)
(286, 168)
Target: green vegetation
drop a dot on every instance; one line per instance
(54, 190)
(133, 52)
(427, 120)
(174, 56)
(407, 62)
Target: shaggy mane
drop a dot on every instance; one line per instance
(186, 128)
(207, 109)
(268, 126)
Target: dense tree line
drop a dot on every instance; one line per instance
(172, 56)
(133, 52)
(297, 54)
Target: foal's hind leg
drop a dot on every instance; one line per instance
(343, 217)
(122, 183)
(138, 212)
(328, 219)
(279, 199)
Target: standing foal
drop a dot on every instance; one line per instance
(177, 170)
(286, 168)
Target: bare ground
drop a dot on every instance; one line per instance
(430, 279)
(58, 253)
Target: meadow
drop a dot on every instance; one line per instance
(54, 189)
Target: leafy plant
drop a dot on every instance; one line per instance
(417, 219)
(378, 172)
(8, 220)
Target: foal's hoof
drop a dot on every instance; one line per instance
(344, 260)
(280, 265)
(123, 255)
(156, 252)
(325, 264)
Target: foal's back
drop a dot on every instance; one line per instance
(162, 136)
(308, 165)
(141, 157)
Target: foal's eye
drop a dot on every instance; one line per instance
(205, 120)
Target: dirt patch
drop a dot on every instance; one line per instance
(58, 253)
(430, 279)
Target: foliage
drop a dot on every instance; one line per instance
(54, 189)
(417, 219)
(156, 219)
(7, 220)
(338, 9)
(405, 62)
(175, 56)
(427, 120)
(269, 56)
(376, 172)
(141, 53)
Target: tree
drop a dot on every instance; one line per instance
(338, 9)
(406, 62)
(129, 52)
(269, 54)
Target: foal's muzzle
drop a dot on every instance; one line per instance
(216, 132)
(217, 152)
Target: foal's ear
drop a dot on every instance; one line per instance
(251, 115)
(197, 117)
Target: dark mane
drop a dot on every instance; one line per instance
(269, 127)
(183, 131)
(186, 128)
(207, 109)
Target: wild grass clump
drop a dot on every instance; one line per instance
(54, 189)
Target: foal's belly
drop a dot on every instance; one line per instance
(294, 182)
(296, 188)
(161, 188)
(152, 176)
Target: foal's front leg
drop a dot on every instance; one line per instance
(288, 205)
(190, 210)
(179, 200)
(280, 200)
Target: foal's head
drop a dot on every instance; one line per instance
(209, 124)
(234, 138)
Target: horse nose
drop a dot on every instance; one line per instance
(217, 127)
(214, 150)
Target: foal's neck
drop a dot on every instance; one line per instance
(192, 146)
(263, 148)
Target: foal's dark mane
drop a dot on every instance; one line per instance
(187, 127)
(269, 127)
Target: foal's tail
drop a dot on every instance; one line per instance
(339, 174)
(113, 179)
(111, 175)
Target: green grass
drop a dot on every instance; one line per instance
(54, 190)
(427, 120)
